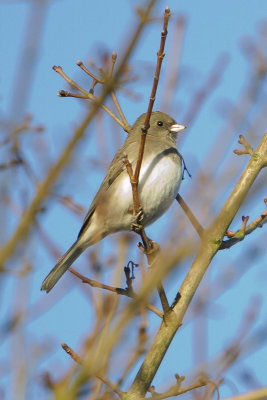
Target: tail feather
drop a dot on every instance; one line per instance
(61, 267)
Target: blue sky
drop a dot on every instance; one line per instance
(66, 31)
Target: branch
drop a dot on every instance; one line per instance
(247, 148)
(123, 292)
(190, 215)
(148, 247)
(71, 353)
(161, 55)
(177, 390)
(238, 236)
(80, 361)
(210, 244)
(134, 177)
(96, 80)
(85, 95)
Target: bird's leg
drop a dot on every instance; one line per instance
(137, 225)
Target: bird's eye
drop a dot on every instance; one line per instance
(159, 123)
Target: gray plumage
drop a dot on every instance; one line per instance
(112, 208)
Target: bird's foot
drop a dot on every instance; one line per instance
(137, 225)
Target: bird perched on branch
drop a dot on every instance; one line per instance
(112, 208)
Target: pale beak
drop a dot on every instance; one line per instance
(175, 128)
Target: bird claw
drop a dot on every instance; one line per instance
(137, 225)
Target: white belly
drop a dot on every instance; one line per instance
(159, 183)
(158, 187)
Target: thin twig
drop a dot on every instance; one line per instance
(134, 177)
(247, 148)
(96, 80)
(163, 298)
(177, 390)
(123, 292)
(109, 384)
(238, 236)
(72, 353)
(161, 55)
(60, 71)
(83, 67)
(80, 361)
(112, 64)
(190, 215)
(90, 96)
(126, 126)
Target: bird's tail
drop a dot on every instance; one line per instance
(61, 267)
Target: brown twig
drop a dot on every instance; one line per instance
(83, 67)
(113, 95)
(90, 96)
(160, 55)
(238, 236)
(71, 353)
(126, 126)
(110, 385)
(80, 361)
(123, 292)
(190, 215)
(163, 299)
(60, 71)
(241, 232)
(176, 390)
(134, 177)
(96, 80)
(112, 64)
(247, 148)
(129, 169)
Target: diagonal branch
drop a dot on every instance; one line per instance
(210, 244)
(190, 215)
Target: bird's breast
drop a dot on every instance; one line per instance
(159, 182)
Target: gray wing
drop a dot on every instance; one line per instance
(117, 166)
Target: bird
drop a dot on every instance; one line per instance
(112, 208)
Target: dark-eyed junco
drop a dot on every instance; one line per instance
(112, 208)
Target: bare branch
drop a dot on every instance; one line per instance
(238, 236)
(72, 353)
(190, 215)
(123, 292)
(177, 390)
(83, 67)
(247, 148)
